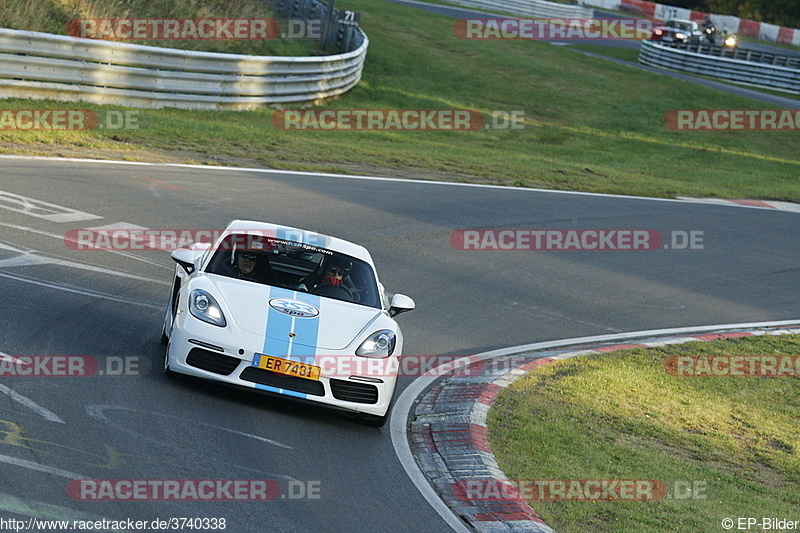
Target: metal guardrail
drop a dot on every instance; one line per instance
(768, 75)
(44, 66)
(743, 54)
(529, 8)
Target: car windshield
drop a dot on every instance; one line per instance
(680, 25)
(295, 266)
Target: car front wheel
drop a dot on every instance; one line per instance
(164, 338)
(167, 370)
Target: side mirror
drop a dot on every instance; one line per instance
(400, 304)
(186, 258)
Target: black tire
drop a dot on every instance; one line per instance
(164, 338)
(167, 371)
(171, 308)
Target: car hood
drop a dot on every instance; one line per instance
(292, 321)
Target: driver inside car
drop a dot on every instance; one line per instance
(332, 280)
(335, 272)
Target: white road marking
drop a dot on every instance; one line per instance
(41, 468)
(23, 260)
(74, 290)
(4, 246)
(767, 204)
(219, 170)
(27, 402)
(39, 209)
(405, 402)
(135, 257)
(14, 360)
(38, 259)
(97, 412)
(397, 426)
(10, 504)
(28, 257)
(118, 225)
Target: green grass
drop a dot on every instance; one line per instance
(632, 55)
(625, 54)
(590, 125)
(622, 416)
(53, 16)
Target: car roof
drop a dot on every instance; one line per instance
(290, 233)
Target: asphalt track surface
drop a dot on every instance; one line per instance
(58, 301)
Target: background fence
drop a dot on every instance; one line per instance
(529, 8)
(747, 28)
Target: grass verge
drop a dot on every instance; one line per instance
(632, 55)
(622, 416)
(590, 125)
(54, 16)
(624, 54)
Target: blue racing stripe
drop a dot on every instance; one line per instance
(276, 336)
(282, 391)
(306, 331)
(279, 325)
(277, 341)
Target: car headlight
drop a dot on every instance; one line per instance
(379, 344)
(204, 307)
(680, 35)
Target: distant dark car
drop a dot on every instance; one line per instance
(681, 31)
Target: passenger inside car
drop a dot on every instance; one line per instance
(245, 264)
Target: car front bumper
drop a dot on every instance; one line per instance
(232, 356)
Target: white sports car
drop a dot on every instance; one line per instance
(286, 311)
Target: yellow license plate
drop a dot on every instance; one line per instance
(288, 368)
